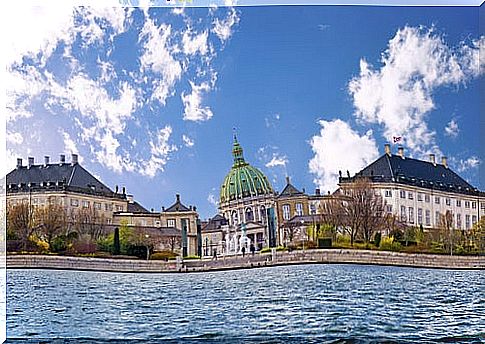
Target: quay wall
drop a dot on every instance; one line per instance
(327, 256)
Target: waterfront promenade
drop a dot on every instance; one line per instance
(329, 256)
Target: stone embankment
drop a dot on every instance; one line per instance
(330, 256)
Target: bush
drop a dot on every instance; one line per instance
(281, 248)
(164, 255)
(59, 244)
(192, 257)
(265, 250)
(389, 244)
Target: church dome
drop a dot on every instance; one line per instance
(243, 180)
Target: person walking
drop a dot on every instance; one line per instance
(252, 249)
(243, 250)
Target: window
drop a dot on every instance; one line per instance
(313, 209)
(410, 195)
(420, 197)
(411, 215)
(388, 193)
(437, 200)
(467, 204)
(458, 221)
(426, 198)
(482, 206)
(249, 214)
(389, 208)
(403, 213)
(458, 202)
(286, 211)
(85, 204)
(420, 216)
(474, 205)
(108, 207)
(474, 219)
(97, 205)
(299, 209)
(437, 218)
(157, 223)
(467, 221)
(448, 201)
(74, 202)
(35, 201)
(119, 208)
(428, 218)
(402, 194)
(235, 217)
(171, 223)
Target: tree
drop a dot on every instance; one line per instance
(51, 219)
(363, 210)
(87, 222)
(446, 230)
(20, 223)
(116, 242)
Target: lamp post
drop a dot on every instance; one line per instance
(302, 225)
(148, 247)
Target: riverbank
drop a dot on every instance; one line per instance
(330, 256)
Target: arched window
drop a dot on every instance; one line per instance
(249, 214)
(235, 217)
(262, 214)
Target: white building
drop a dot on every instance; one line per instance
(420, 192)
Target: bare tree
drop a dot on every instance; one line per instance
(88, 222)
(51, 219)
(363, 210)
(20, 222)
(446, 229)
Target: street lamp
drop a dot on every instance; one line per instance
(148, 247)
(302, 225)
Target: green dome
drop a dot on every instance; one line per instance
(243, 180)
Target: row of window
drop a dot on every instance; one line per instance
(437, 199)
(298, 210)
(407, 215)
(98, 206)
(249, 215)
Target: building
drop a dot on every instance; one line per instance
(420, 192)
(176, 217)
(67, 184)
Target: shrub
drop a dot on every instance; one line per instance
(389, 244)
(192, 257)
(265, 250)
(281, 248)
(59, 244)
(164, 255)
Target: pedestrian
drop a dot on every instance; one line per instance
(215, 254)
(252, 249)
(243, 250)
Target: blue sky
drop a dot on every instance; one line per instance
(148, 97)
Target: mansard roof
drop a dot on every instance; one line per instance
(56, 177)
(391, 168)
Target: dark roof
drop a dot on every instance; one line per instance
(135, 207)
(290, 190)
(215, 223)
(177, 206)
(394, 168)
(58, 176)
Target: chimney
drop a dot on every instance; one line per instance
(303, 190)
(163, 208)
(123, 190)
(400, 152)
(19, 162)
(46, 160)
(178, 197)
(287, 180)
(62, 158)
(116, 189)
(317, 191)
(444, 161)
(74, 159)
(31, 161)
(387, 149)
(432, 159)
(194, 208)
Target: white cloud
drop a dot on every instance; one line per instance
(339, 148)
(157, 57)
(398, 96)
(193, 109)
(452, 129)
(212, 200)
(272, 120)
(14, 138)
(188, 142)
(466, 164)
(277, 160)
(195, 43)
(160, 149)
(223, 28)
(69, 144)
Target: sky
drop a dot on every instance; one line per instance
(149, 97)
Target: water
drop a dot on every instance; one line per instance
(319, 303)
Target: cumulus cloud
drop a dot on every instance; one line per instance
(463, 165)
(193, 108)
(160, 149)
(452, 129)
(188, 142)
(223, 27)
(213, 200)
(339, 148)
(193, 44)
(277, 160)
(69, 144)
(399, 95)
